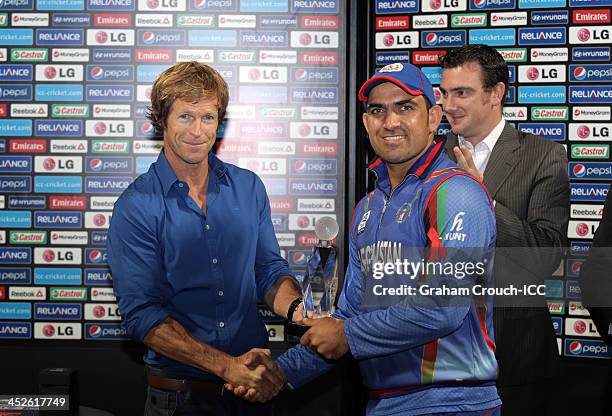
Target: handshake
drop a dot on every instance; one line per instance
(255, 376)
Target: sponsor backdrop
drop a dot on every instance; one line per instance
(75, 79)
(558, 52)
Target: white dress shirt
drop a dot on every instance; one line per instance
(482, 152)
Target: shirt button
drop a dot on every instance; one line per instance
(221, 324)
(215, 261)
(220, 293)
(207, 227)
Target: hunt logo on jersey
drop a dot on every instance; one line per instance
(48, 255)
(397, 40)
(58, 164)
(541, 73)
(542, 36)
(590, 131)
(443, 38)
(589, 34)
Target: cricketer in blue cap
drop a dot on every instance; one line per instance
(408, 77)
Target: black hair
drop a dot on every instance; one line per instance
(493, 66)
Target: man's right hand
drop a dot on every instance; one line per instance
(258, 376)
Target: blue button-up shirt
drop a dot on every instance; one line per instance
(206, 271)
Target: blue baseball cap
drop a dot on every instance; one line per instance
(406, 76)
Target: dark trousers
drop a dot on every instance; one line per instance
(527, 399)
(170, 403)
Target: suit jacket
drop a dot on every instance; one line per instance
(527, 178)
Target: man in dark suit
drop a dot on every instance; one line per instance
(526, 177)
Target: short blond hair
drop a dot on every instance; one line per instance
(188, 81)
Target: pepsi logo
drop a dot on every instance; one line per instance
(580, 327)
(300, 74)
(95, 165)
(388, 40)
(580, 73)
(100, 128)
(583, 131)
(147, 128)
(48, 330)
(298, 258)
(582, 229)
(99, 311)
(200, 4)
(50, 72)
(576, 266)
(101, 37)
(480, 3)
(96, 72)
(48, 256)
(305, 39)
(579, 170)
(584, 35)
(95, 331)
(575, 347)
(99, 219)
(95, 256)
(148, 37)
(431, 39)
(49, 164)
(299, 166)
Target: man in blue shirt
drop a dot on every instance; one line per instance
(192, 249)
(418, 354)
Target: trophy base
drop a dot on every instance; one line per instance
(296, 330)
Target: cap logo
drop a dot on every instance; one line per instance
(392, 68)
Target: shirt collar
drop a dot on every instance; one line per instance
(168, 178)
(420, 168)
(491, 138)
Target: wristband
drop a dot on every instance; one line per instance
(292, 308)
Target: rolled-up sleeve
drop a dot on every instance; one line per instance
(269, 265)
(135, 259)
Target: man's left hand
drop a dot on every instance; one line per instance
(466, 162)
(326, 336)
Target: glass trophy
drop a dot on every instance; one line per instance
(320, 282)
